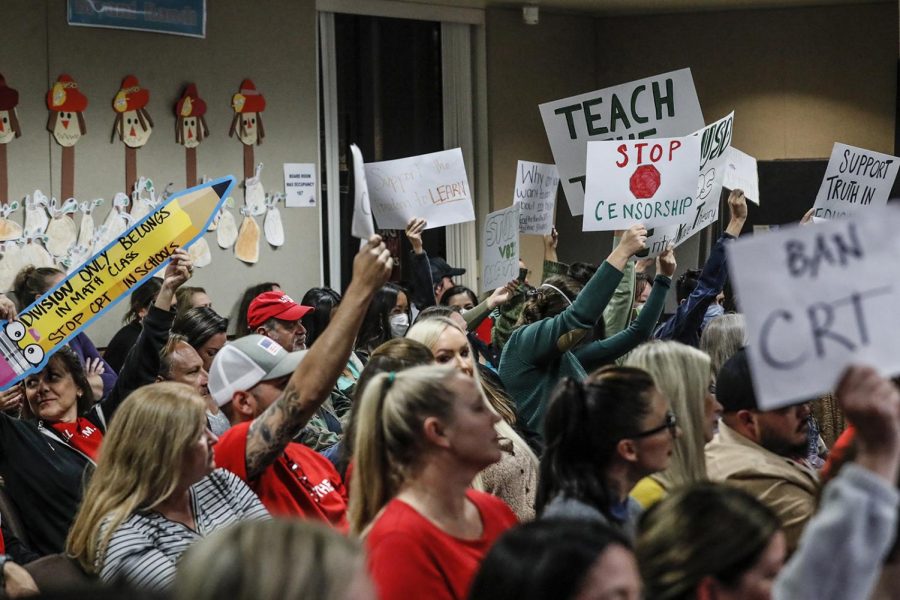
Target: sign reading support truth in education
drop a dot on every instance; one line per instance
(178, 17)
(855, 180)
(536, 185)
(662, 106)
(28, 341)
(817, 298)
(500, 248)
(653, 182)
(362, 226)
(432, 186)
(715, 141)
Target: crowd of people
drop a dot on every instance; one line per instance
(565, 440)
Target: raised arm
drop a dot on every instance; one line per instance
(617, 313)
(422, 284)
(315, 376)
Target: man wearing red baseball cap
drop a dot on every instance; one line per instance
(275, 315)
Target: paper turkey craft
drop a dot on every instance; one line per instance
(9, 130)
(248, 105)
(133, 124)
(190, 129)
(66, 104)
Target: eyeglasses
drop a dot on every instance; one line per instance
(671, 424)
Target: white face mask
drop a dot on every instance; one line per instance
(399, 325)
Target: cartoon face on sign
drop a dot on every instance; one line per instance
(190, 128)
(133, 123)
(247, 122)
(66, 104)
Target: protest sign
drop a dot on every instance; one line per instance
(362, 225)
(662, 106)
(855, 180)
(28, 341)
(715, 141)
(535, 194)
(741, 174)
(653, 182)
(500, 248)
(432, 186)
(817, 298)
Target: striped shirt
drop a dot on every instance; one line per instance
(144, 550)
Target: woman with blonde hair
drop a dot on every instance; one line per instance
(271, 560)
(722, 337)
(155, 490)
(422, 436)
(514, 477)
(683, 375)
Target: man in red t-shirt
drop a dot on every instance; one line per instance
(269, 394)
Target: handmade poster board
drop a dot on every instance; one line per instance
(500, 248)
(106, 278)
(856, 180)
(817, 298)
(535, 193)
(432, 186)
(664, 105)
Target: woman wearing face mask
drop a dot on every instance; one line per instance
(514, 477)
(388, 317)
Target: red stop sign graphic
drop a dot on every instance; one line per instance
(644, 182)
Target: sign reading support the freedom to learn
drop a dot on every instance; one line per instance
(536, 185)
(855, 180)
(432, 186)
(662, 106)
(50, 321)
(500, 248)
(817, 298)
(653, 182)
(715, 141)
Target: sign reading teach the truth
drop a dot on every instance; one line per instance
(536, 185)
(855, 180)
(653, 182)
(715, 142)
(662, 106)
(500, 248)
(432, 186)
(817, 298)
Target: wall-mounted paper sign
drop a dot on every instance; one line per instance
(741, 174)
(535, 193)
(432, 186)
(299, 185)
(653, 182)
(500, 248)
(715, 141)
(816, 299)
(362, 225)
(856, 180)
(662, 106)
(178, 17)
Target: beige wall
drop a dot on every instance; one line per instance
(798, 80)
(272, 42)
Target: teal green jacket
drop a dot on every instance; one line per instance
(605, 351)
(538, 355)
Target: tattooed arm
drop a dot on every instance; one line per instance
(315, 376)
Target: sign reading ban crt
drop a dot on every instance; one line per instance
(816, 299)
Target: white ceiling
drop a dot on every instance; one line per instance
(611, 7)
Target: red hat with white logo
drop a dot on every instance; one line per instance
(274, 305)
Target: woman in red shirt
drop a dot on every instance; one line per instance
(422, 436)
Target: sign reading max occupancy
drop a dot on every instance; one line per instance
(661, 106)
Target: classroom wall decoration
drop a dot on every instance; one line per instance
(9, 130)
(133, 124)
(190, 129)
(66, 103)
